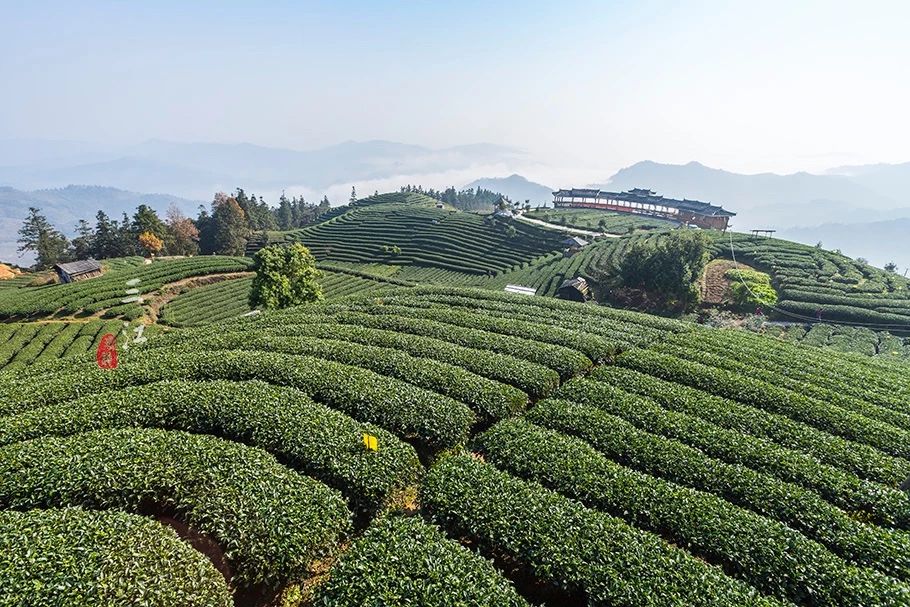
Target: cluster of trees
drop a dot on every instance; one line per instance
(223, 230)
(142, 234)
(290, 213)
(662, 274)
(469, 199)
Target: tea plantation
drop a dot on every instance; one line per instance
(814, 283)
(427, 445)
(409, 229)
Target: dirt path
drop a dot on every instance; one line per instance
(714, 286)
(166, 293)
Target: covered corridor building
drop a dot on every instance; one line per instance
(645, 202)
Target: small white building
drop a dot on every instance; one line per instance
(520, 290)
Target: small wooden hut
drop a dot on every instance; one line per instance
(77, 270)
(574, 289)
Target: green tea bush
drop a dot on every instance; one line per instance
(85, 557)
(407, 563)
(305, 435)
(763, 395)
(691, 351)
(765, 441)
(637, 433)
(270, 521)
(403, 408)
(490, 399)
(569, 546)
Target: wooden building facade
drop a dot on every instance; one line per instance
(77, 270)
(645, 202)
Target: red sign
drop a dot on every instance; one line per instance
(107, 352)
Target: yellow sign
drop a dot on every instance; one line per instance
(370, 442)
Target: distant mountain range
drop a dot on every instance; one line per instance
(516, 188)
(879, 241)
(197, 170)
(64, 207)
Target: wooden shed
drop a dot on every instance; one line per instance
(574, 289)
(77, 270)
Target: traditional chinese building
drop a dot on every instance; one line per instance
(645, 202)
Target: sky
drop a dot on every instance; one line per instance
(745, 86)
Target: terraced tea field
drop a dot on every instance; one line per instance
(527, 451)
(813, 282)
(859, 340)
(408, 229)
(116, 293)
(230, 298)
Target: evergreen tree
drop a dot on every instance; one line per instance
(83, 245)
(266, 217)
(353, 195)
(44, 240)
(284, 215)
(126, 241)
(147, 220)
(104, 242)
(298, 212)
(324, 206)
(247, 205)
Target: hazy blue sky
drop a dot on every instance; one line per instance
(746, 86)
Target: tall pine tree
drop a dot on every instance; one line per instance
(38, 236)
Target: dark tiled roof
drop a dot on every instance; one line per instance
(577, 283)
(575, 241)
(79, 267)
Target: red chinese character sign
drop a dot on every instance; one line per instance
(107, 352)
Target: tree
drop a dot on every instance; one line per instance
(285, 214)
(104, 243)
(126, 242)
(324, 206)
(83, 244)
(151, 243)
(890, 267)
(225, 231)
(44, 240)
(147, 220)
(182, 235)
(353, 195)
(229, 225)
(285, 276)
(668, 271)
